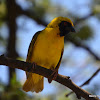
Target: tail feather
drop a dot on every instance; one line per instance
(34, 82)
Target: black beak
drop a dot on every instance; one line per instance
(72, 29)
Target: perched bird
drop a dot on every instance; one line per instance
(46, 50)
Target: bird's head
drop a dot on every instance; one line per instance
(64, 24)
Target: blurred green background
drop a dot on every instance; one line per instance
(21, 19)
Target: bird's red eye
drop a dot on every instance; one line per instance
(65, 23)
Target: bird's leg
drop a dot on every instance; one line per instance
(31, 67)
(53, 76)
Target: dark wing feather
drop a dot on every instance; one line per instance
(30, 50)
(60, 60)
(31, 47)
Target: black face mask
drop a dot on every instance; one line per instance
(65, 28)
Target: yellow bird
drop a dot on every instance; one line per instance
(46, 50)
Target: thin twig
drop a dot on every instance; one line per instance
(86, 82)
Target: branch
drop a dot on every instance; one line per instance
(31, 14)
(78, 43)
(86, 82)
(64, 80)
(84, 18)
(35, 17)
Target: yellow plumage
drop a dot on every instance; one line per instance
(45, 50)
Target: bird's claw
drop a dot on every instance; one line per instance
(53, 76)
(32, 67)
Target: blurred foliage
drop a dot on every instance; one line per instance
(2, 9)
(41, 6)
(2, 12)
(96, 9)
(84, 33)
(2, 40)
(13, 92)
(47, 10)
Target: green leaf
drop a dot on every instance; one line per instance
(84, 33)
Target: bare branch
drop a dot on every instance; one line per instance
(64, 80)
(86, 82)
(84, 18)
(78, 43)
(30, 14)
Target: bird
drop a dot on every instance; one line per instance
(46, 50)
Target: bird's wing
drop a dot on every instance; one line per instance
(60, 59)
(30, 50)
(31, 47)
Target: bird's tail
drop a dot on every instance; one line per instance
(33, 83)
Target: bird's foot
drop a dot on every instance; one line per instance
(32, 67)
(53, 76)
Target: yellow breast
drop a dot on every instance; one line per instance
(48, 48)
